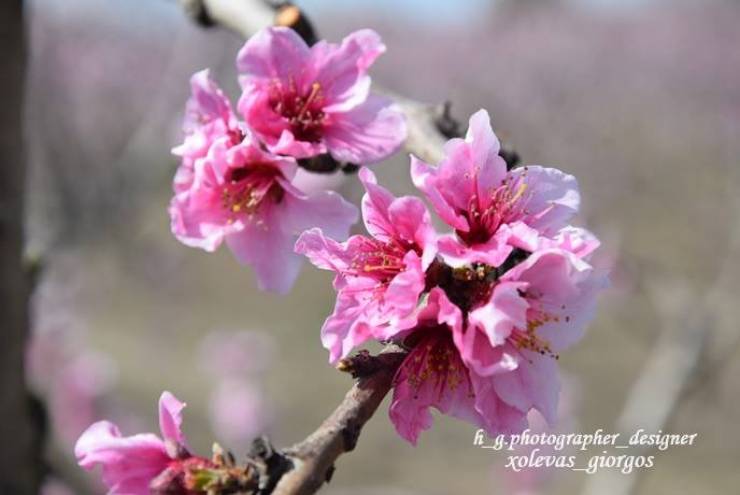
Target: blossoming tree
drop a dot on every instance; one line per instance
(474, 317)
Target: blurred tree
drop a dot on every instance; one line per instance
(20, 464)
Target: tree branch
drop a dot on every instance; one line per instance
(304, 467)
(313, 458)
(20, 454)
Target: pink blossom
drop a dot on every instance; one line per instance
(434, 375)
(208, 117)
(498, 363)
(129, 464)
(492, 210)
(536, 310)
(242, 195)
(380, 277)
(304, 101)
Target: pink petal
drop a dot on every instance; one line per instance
(274, 52)
(493, 252)
(207, 103)
(499, 417)
(170, 418)
(324, 252)
(553, 197)
(488, 328)
(268, 249)
(470, 172)
(341, 70)
(575, 240)
(326, 210)
(389, 218)
(485, 147)
(424, 177)
(571, 286)
(375, 204)
(345, 329)
(368, 133)
(432, 375)
(128, 463)
(534, 384)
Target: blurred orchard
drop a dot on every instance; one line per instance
(641, 101)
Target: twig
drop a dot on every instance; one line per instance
(304, 467)
(313, 458)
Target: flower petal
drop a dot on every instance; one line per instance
(553, 197)
(369, 133)
(535, 383)
(268, 249)
(274, 52)
(128, 463)
(170, 418)
(341, 70)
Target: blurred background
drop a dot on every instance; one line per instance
(639, 99)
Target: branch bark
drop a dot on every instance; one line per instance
(20, 463)
(313, 458)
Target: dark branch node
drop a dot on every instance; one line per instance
(197, 10)
(291, 16)
(446, 123)
(321, 164)
(350, 436)
(271, 464)
(510, 156)
(350, 168)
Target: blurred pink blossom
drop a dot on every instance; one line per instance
(236, 361)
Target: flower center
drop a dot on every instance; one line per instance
(435, 361)
(504, 204)
(528, 338)
(247, 188)
(469, 286)
(303, 111)
(377, 259)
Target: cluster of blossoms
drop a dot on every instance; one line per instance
(485, 309)
(235, 183)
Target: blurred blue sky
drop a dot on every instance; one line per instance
(446, 10)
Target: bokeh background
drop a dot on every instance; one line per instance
(639, 99)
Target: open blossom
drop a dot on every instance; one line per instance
(242, 195)
(305, 101)
(131, 464)
(491, 209)
(433, 375)
(380, 277)
(490, 356)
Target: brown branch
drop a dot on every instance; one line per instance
(20, 453)
(313, 458)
